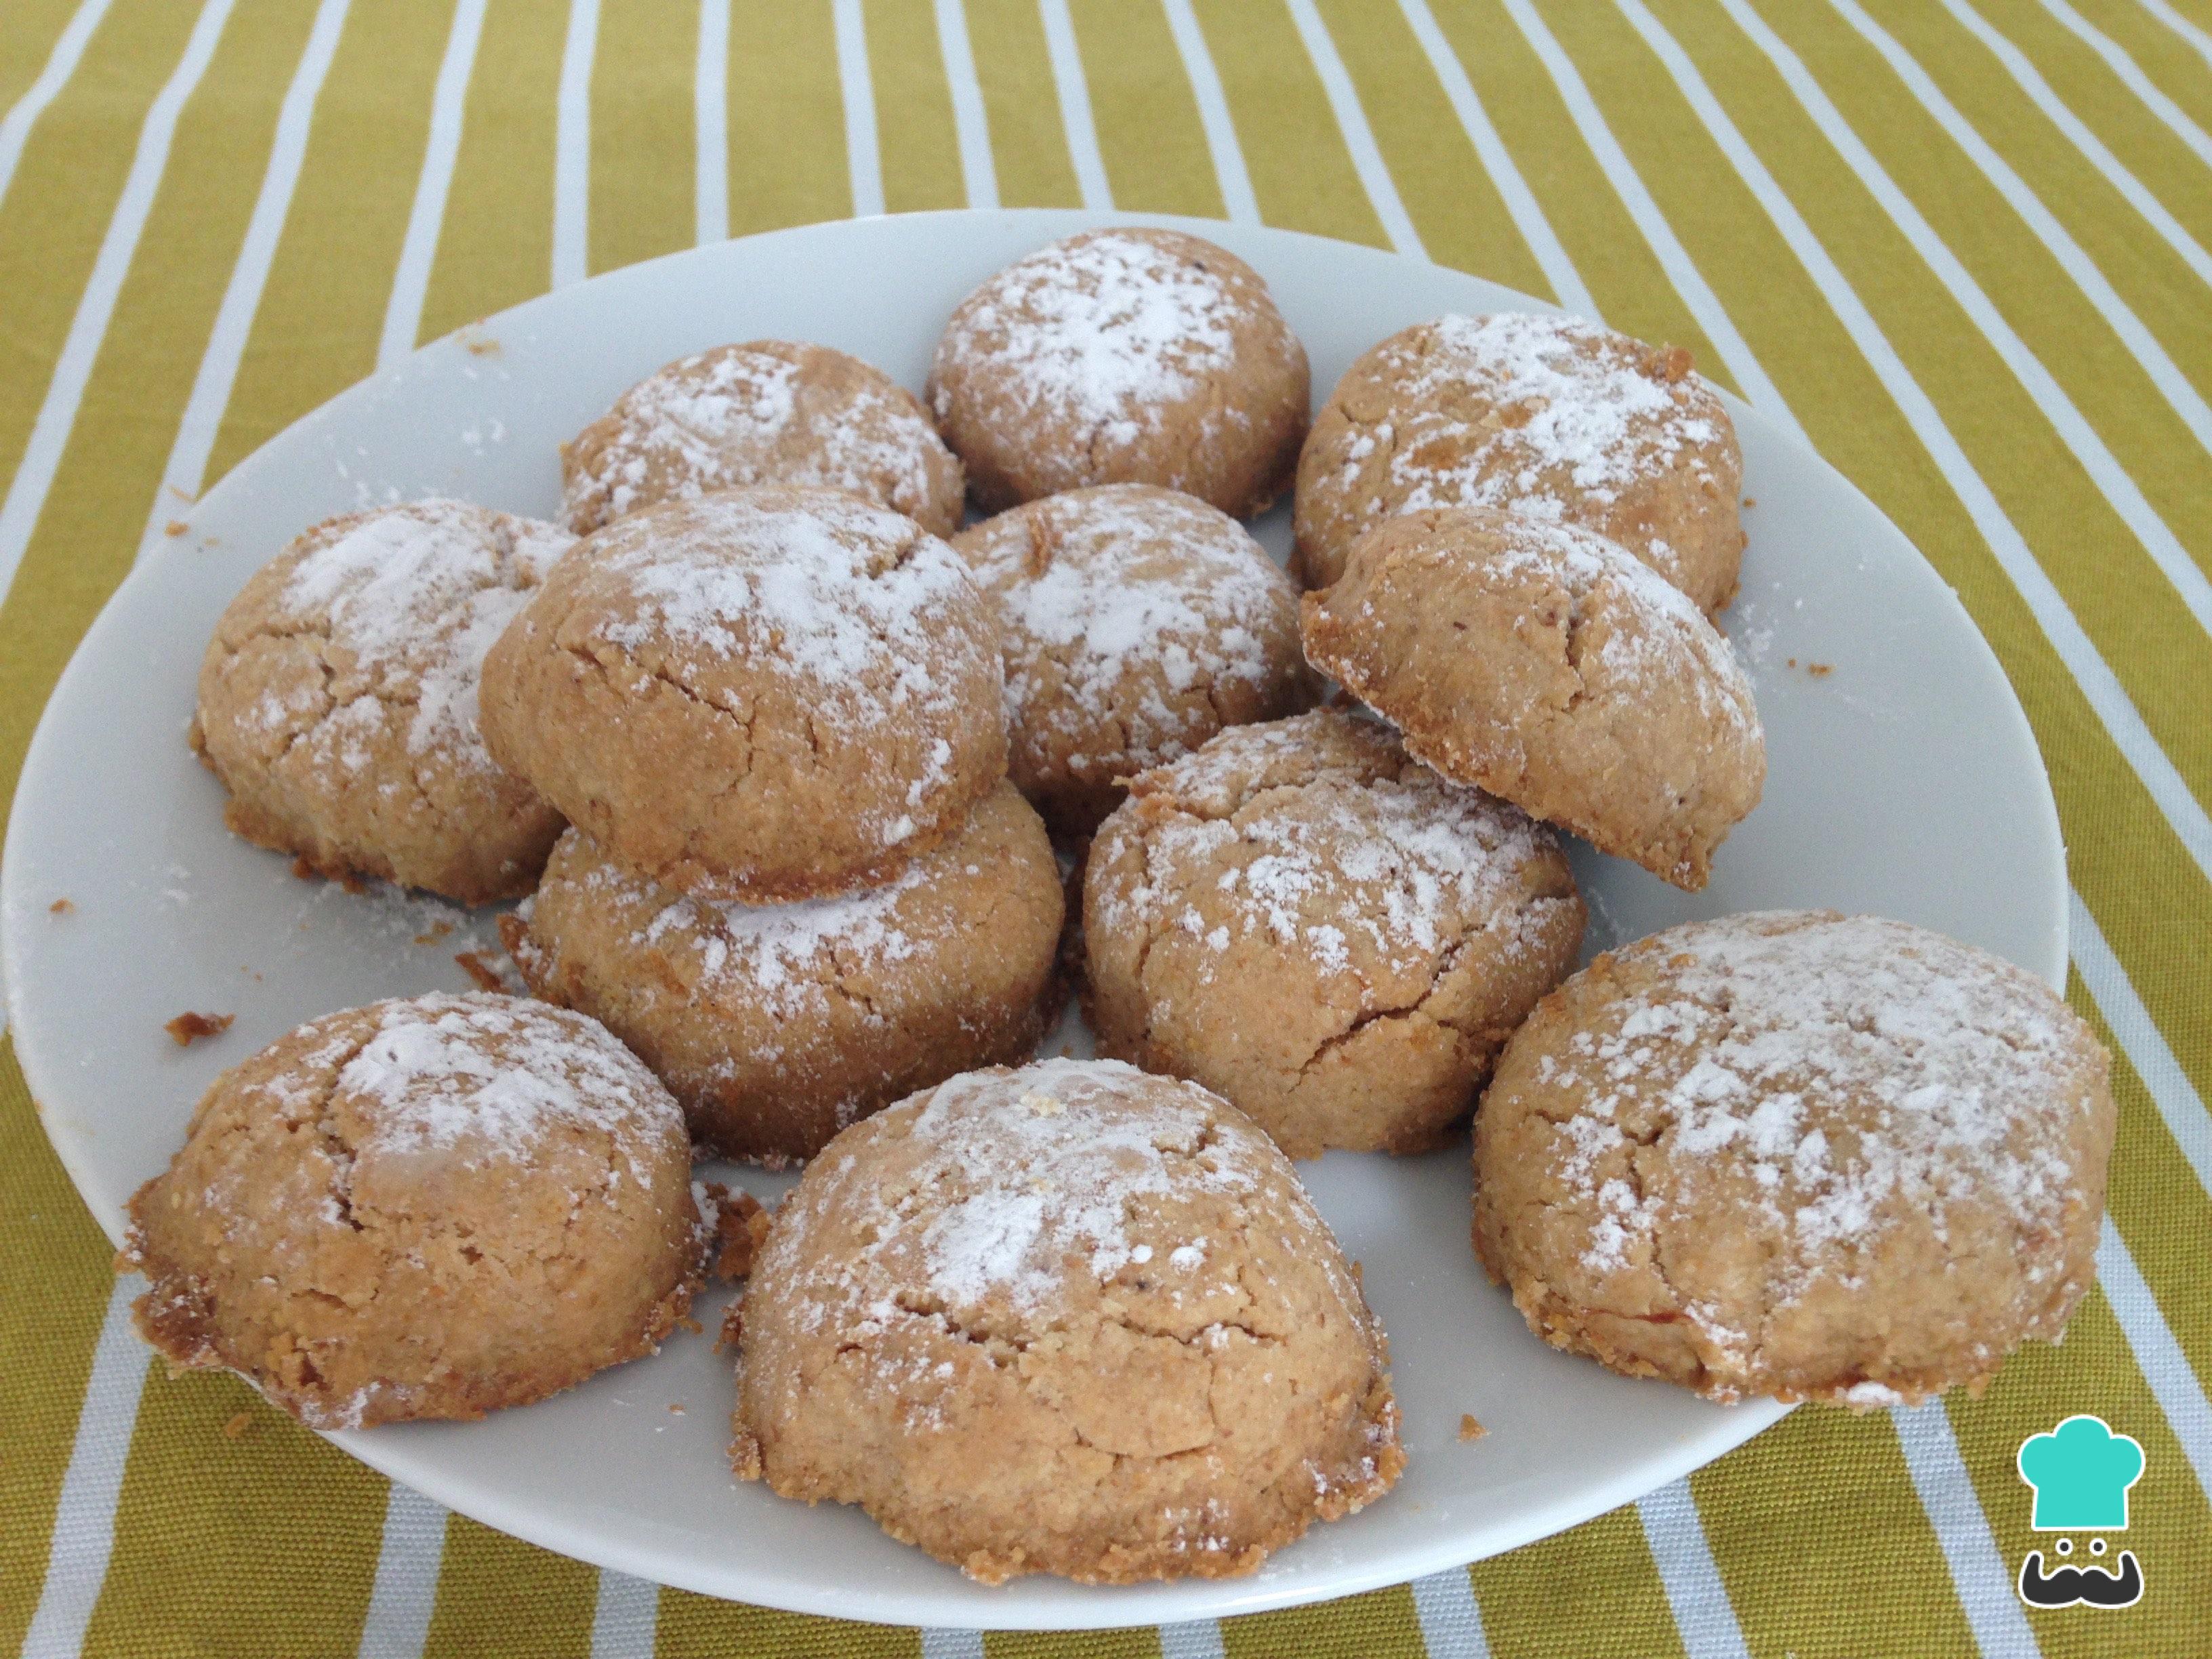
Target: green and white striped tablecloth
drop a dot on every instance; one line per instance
(1963, 243)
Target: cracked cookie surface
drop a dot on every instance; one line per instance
(1122, 356)
(338, 699)
(762, 695)
(777, 1026)
(1138, 623)
(1067, 1319)
(1540, 662)
(422, 1208)
(1551, 415)
(766, 412)
(1797, 1154)
(1306, 920)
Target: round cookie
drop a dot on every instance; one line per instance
(778, 1025)
(1539, 661)
(337, 699)
(762, 695)
(767, 412)
(1068, 1319)
(1323, 931)
(1138, 623)
(1796, 1154)
(1553, 415)
(1122, 356)
(423, 1208)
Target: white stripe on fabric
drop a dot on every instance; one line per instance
(426, 219)
(1703, 1613)
(2200, 39)
(1674, 258)
(2120, 718)
(84, 1517)
(186, 469)
(627, 1617)
(405, 1593)
(2173, 1381)
(1073, 91)
(1238, 200)
(49, 431)
(1450, 1619)
(2143, 346)
(710, 125)
(2132, 77)
(864, 163)
(61, 63)
(951, 1644)
(1985, 1583)
(572, 146)
(2055, 110)
(1497, 161)
(2176, 1097)
(1199, 1639)
(972, 125)
(1358, 137)
(2113, 481)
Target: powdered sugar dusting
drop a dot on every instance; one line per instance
(485, 1076)
(412, 598)
(1842, 1064)
(765, 412)
(1099, 333)
(1112, 597)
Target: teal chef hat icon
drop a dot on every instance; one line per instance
(2080, 1472)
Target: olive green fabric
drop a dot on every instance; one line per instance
(1963, 242)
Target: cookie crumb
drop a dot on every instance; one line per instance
(236, 1428)
(741, 1225)
(1820, 671)
(61, 907)
(188, 1028)
(174, 527)
(675, 1408)
(1751, 500)
(1469, 1429)
(484, 347)
(438, 931)
(488, 978)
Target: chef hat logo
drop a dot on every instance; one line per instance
(2080, 1472)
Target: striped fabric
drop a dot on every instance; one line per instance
(1961, 244)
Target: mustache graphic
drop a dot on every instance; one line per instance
(2096, 1586)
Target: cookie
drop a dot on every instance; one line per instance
(777, 1026)
(423, 1208)
(767, 412)
(337, 700)
(1122, 356)
(1553, 415)
(762, 695)
(1068, 1319)
(1539, 661)
(1796, 1154)
(1138, 623)
(1316, 926)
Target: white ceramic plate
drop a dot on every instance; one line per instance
(1904, 781)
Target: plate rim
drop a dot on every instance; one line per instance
(1095, 1608)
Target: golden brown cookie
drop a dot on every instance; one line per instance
(1122, 356)
(1315, 926)
(777, 1026)
(1069, 1319)
(337, 699)
(761, 695)
(1138, 623)
(1550, 415)
(1797, 1154)
(1539, 661)
(422, 1208)
(767, 412)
